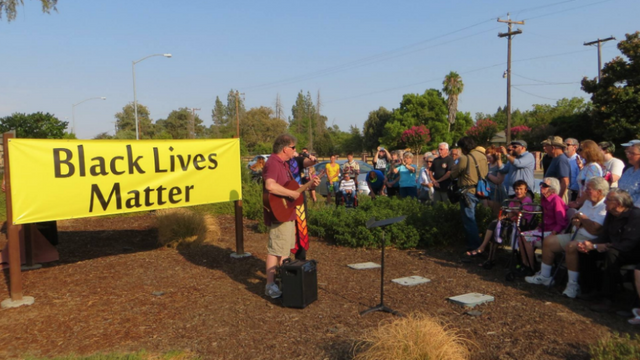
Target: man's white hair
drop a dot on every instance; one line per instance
(446, 146)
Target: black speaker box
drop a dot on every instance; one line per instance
(299, 283)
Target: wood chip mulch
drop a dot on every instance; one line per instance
(115, 290)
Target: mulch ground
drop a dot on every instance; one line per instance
(115, 290)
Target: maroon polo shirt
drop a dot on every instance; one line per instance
(278, 170)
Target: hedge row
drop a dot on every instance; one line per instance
(426, 225)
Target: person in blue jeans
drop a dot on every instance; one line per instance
(472, 166)
(407, 173)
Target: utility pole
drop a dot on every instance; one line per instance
(599, 42)
(237, 115)
(509, 35)
(192, 123)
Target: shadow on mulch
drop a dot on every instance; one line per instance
(77, 246)
(242, 271)
(452, 258)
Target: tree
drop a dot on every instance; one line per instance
(178, 124)
(351, 141)
(232, 119)
(219, 113)
(307, 123)
(428, 109)
(103, 136)
(483, 131)
(616, 98)
(9, 7)
(416, 138)
(126, 121)
(34, 126)
(453, 87)
(260, 127)
(374, 127)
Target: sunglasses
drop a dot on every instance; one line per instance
(292, 147)
(544, 185)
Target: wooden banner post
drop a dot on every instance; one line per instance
(13, 235)
(239, 225)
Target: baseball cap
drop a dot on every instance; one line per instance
(631, 143)
(519, 142)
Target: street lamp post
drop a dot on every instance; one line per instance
(135, 100)
(73, 109)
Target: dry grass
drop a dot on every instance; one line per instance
(412, 338)
(182, 227)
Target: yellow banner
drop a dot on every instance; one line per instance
(65, 179)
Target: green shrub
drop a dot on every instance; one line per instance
(426, 225)
(616, 347)
(251, 201)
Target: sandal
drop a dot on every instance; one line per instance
(474, 253)
(636, 319)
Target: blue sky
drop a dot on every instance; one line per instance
(360, 55)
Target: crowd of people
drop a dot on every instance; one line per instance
(588, 201)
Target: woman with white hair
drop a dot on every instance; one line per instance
(588, 224)
(555, 221)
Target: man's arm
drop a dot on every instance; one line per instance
(276, 189)
(591, 226)
(459, 168)
(445, 176)
(309, 161)
(564, 184)
(523, 162)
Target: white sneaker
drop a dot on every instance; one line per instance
(572, 290)
(272, 290)
(538, 279)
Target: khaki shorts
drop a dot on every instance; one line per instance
(282, 238)
(564, 239)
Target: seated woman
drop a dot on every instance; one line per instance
(589, 222)
(617, 245)
(521, 198)
(554, 221)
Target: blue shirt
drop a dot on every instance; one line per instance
(559, 168)
(407, 178)
(378, 182)
(630, 182)
(520, 169)
(575, 170)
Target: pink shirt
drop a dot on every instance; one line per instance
(555, 213)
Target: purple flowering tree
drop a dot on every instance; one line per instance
(416, 137)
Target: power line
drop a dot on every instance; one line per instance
(440, 78)
(387, 54)
(542, 97)
(361, 62)
(549, 84)
(569, 9)
(540, 81)
(390, 54)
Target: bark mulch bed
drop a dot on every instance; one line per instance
(115, 290)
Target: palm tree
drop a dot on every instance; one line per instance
(453, 87)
